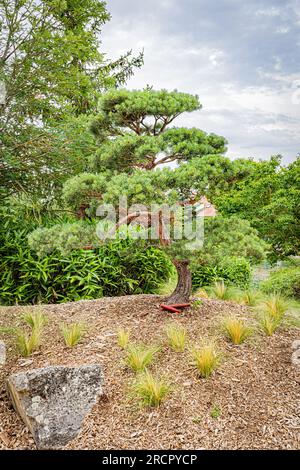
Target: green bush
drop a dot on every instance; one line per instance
(120, 267)
(285, 281)
(232, 270)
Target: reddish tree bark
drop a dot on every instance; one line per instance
(183, 289)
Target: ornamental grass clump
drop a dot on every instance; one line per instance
(236, 329)
(27, 343)
(220, 291)
(150, 390)
(275, 306)
(271, 313)
(140, 356)
(123, 337)
(73, 333)
(249, 297)
(269, 324)
(205, 357)
(177, 336)
(36, 320)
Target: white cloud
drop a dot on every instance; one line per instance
(258, 119)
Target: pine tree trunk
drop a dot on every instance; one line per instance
(183, 289)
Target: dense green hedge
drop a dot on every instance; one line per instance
(285, 281)
(119, 268)
(234, 271)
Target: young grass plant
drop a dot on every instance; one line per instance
(269, 324)
(222, 292)
(140, 356)
(177, 336)
(201, 293)
(215, 412)
(28, 343)
(36, 320)
(250, 297)
(236, 329)
(150, 390)
(73, 333)
(205, 358)
(275, 306)
(123, 337)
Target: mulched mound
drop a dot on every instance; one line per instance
(256, 389)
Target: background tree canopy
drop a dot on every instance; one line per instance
(53, 69)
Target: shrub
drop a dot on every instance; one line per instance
(236, 329)
(123, 337)
(36, 320)
(176, 335)
(205, 358)
(140, 356)
(234, 271)
(120, 267)
(27, 343)
(284, 281)
(150, 390)
(73, 334)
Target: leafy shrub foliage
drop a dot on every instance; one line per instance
(233, 271)
(285, 281)
(120, 267)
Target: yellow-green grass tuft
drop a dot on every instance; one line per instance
(205, 357)
(123, 338)
(177, 336)
(140, 356)
(73, 333)
(150, 390)
(236, 329)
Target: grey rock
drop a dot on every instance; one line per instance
(2, 353)
(296, 344)
(53, 401)
(296, 354)
(296, 358)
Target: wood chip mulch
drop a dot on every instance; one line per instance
(256, 389)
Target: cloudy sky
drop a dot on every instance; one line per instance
(241, 58)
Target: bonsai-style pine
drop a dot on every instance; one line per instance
(142, 156)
